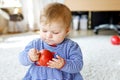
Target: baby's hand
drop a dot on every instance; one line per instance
(56, 63)
(33, 54)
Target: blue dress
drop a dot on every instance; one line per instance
(68, 49)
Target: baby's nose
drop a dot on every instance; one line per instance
(49, 35)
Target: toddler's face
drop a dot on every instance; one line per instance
(53, 33)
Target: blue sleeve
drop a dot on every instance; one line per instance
(23, 56)
(74, 63)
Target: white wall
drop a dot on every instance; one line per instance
(31, 11)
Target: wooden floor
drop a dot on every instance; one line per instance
(79, 33)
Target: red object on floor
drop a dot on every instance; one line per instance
(115, 40)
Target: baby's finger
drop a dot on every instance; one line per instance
(35, 51)
(50, 62)
(58, 57)
(55, 60)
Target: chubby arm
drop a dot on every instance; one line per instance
(24, 57)
(74, 62)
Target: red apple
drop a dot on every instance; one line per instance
(115, 40)
(45, 56)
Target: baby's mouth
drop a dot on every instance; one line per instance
(49, 41)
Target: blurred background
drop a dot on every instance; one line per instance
(94, 22)
(18, 16)
(21, 15)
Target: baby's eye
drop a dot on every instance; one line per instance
(44, 30)
(55, 32)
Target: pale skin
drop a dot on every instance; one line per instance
(33, 54)
(52, 34)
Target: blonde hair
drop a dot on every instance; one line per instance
(55, 11)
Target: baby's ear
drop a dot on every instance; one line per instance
(68, 30)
